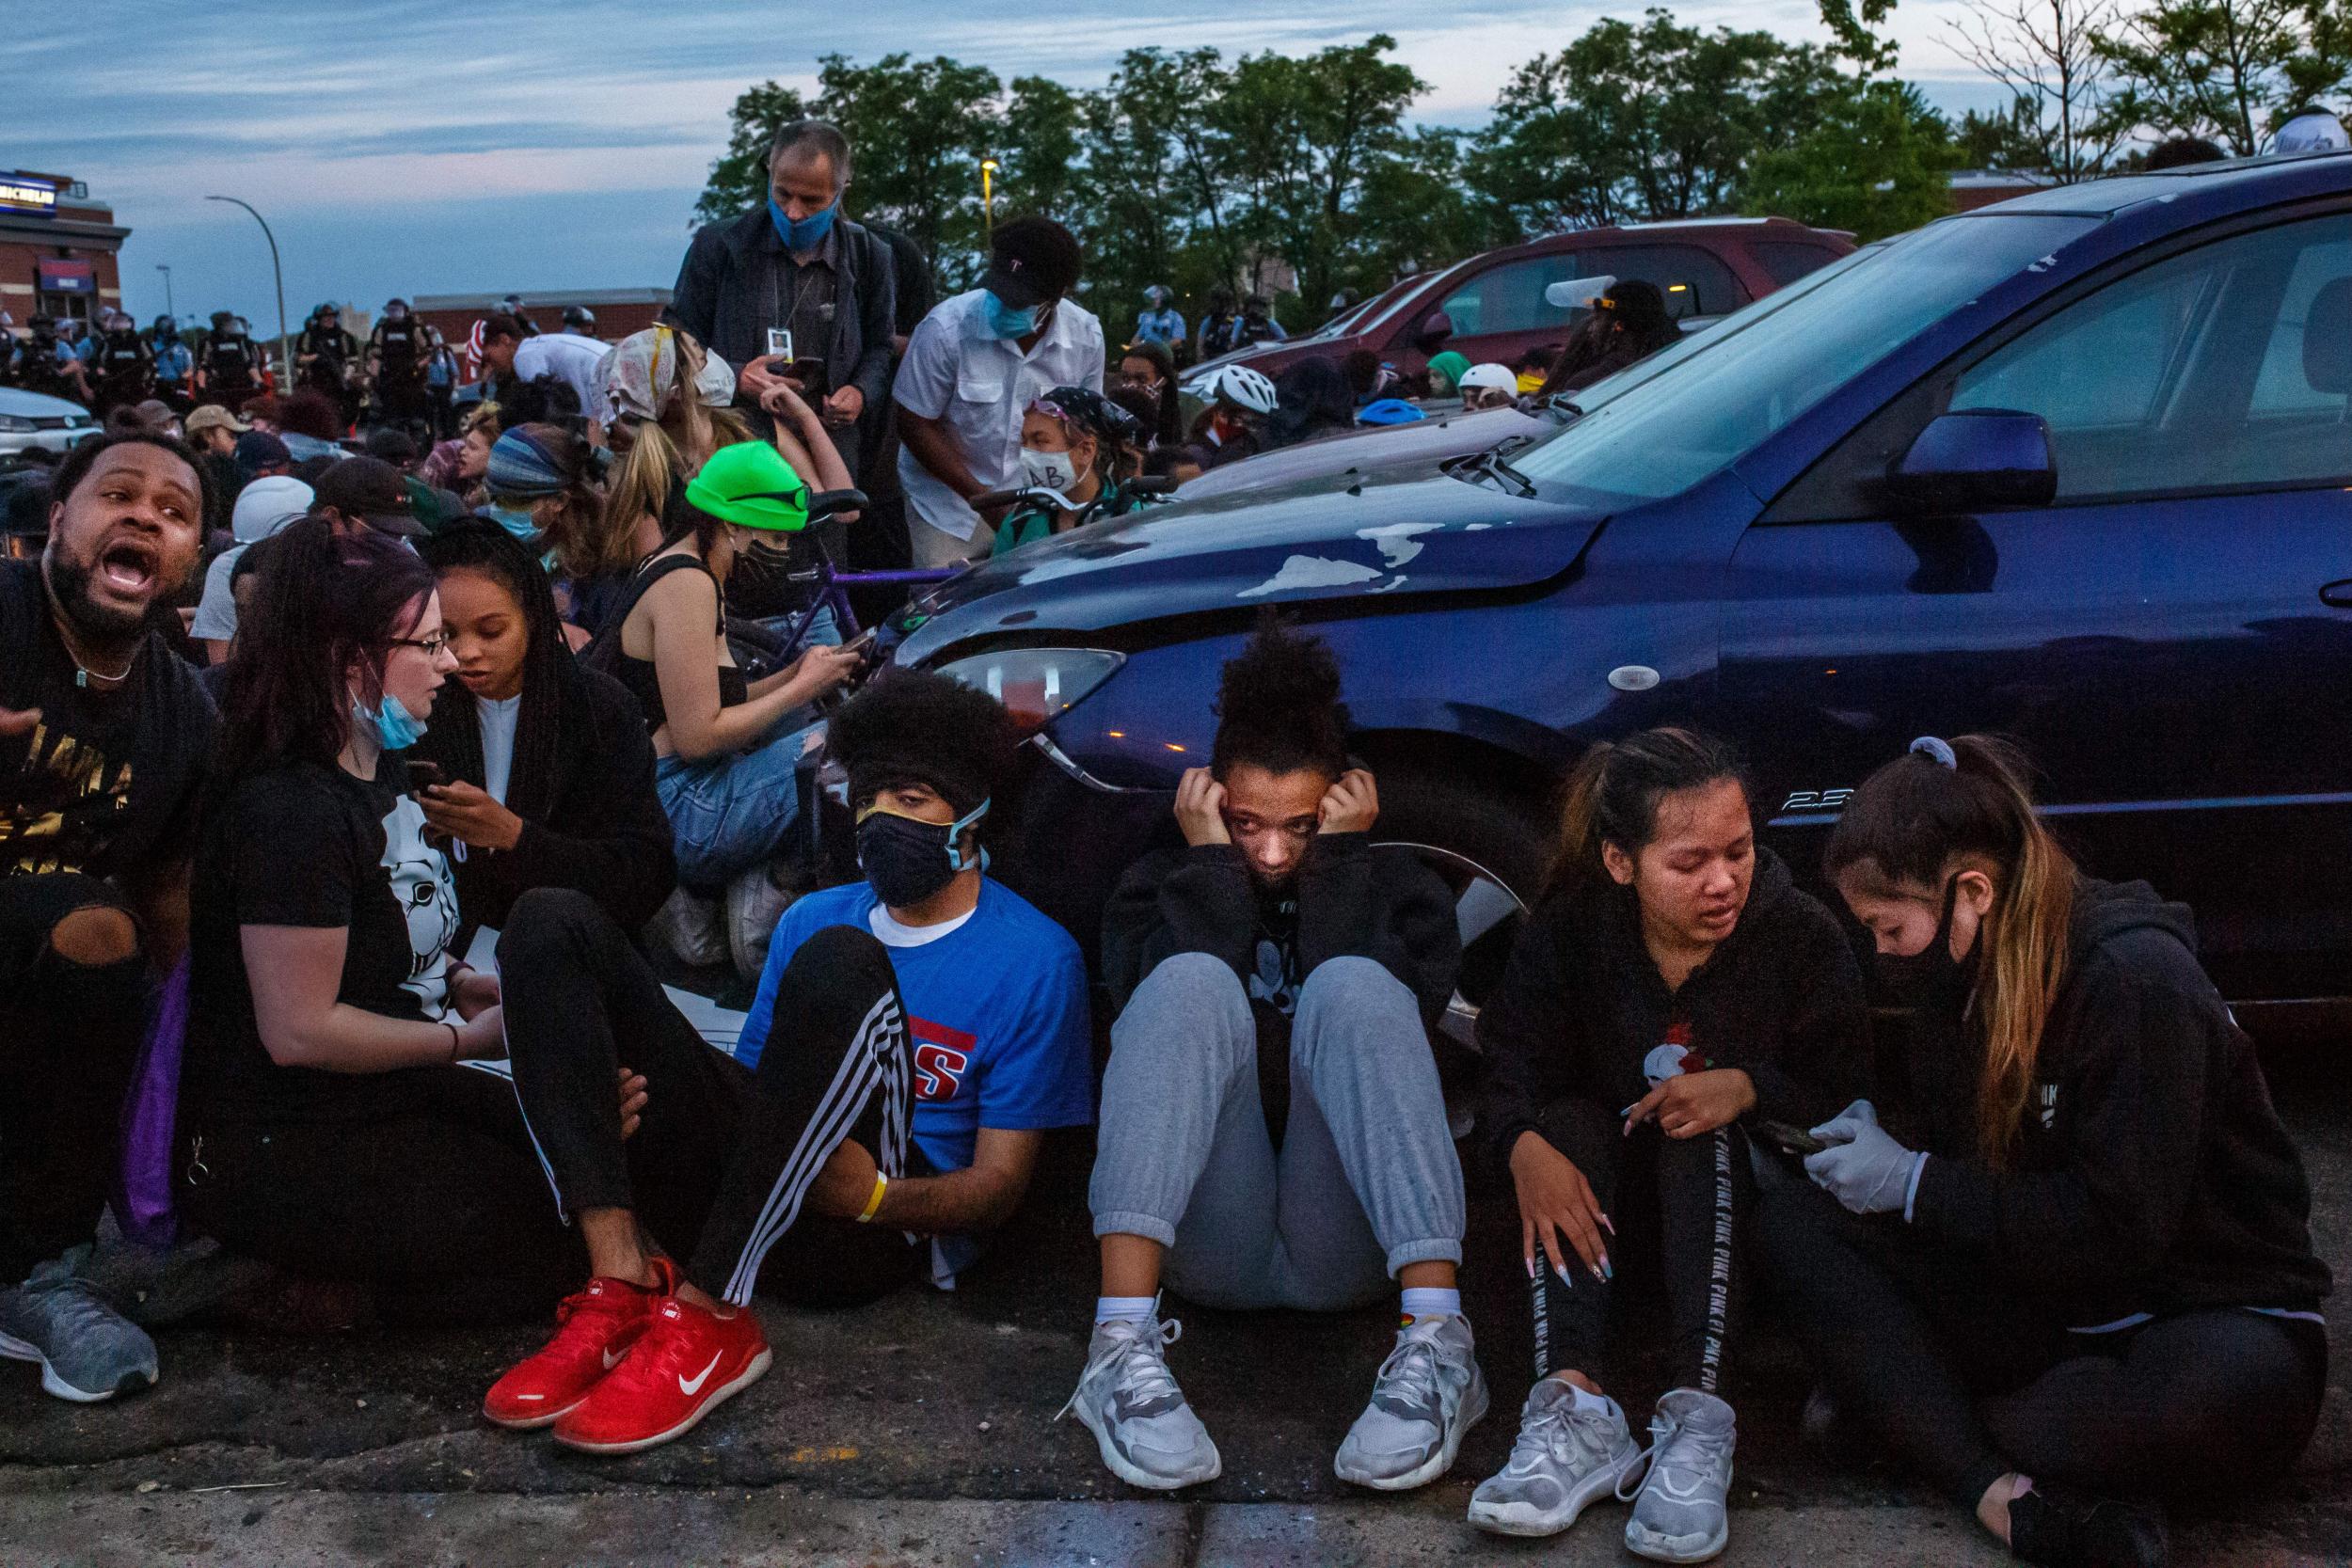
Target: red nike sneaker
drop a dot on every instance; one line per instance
(595, 1329)
(691, 1361)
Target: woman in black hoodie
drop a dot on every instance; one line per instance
(1671, 994)
(546, 772)
(2093, 1275)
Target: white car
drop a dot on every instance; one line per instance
(30, 419)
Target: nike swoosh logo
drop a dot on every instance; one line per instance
(612, 1359)
(690, 1389)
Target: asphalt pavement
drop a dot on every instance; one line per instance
(922, 1432)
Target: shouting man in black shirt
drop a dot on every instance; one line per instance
(1280, 961)
(103, 736)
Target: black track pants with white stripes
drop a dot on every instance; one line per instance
(720, 1169)
(1676, 1202)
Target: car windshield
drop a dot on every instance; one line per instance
(1645, 433)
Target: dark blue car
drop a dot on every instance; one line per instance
(2077, 468)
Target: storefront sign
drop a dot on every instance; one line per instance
(30, 195)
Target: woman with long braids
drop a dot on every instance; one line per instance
(546, 770)
(2083, 1286)
(1673, 1000)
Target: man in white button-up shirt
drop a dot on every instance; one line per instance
(970, 371)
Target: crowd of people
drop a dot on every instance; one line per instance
(380, 844)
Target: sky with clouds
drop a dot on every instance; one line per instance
(424, 147)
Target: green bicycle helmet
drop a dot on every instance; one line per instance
(750, 484)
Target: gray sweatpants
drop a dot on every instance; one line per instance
(1367, 1180)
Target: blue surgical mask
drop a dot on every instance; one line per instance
(1006, 322)
(514, 521)
(808, 233)
(396, 728)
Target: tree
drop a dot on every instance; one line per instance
(2003, 141)
(2047, 54)
(1656, 121)
(739, 180)
(1038, 146)
(2230, 70)
(1878, 163)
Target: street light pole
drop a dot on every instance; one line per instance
(988, 199)
(170, 309)
(285, 357)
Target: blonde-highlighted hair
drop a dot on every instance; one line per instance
(1919, 822)
(666, 452)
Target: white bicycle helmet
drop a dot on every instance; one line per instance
(1245, 388)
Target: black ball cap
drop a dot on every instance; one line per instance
(1031, 261)
(372, 491)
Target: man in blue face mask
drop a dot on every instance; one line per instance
(795, 283)
(972, 367)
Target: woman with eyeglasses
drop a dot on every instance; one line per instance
(329, 1126)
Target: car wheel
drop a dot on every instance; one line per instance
(1493, 851)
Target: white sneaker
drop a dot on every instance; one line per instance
(1682, 1513)
(689, 925)
(1428, 1394)
(753, 905)
(1565, 1460)
(1129, 1400)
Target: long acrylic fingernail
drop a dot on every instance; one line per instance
(1531, 1267)
(1628, 1110)
(1606, 1225)
(1607, 1272)
(1563, 1275)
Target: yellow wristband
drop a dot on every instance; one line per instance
(873, 1205)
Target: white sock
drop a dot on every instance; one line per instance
(1587, 1399)
(1427, 1302)
(1123, 1309)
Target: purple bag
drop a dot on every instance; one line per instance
(150, 1112)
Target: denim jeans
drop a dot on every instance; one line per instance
(1367, 1180)
(731, 813)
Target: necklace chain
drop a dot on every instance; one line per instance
(73, 652)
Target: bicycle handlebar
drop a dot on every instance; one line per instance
(832, 503)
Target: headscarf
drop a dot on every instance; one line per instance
(641, 372)
(521, 466)
(1450, 365)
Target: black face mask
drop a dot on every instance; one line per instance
(907, 862)
(1932, 978)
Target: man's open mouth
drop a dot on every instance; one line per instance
(128, 566)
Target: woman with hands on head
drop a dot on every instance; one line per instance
(2089, 1291)
(326, 1123)
(1672, 994)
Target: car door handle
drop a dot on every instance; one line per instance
(2338, 594)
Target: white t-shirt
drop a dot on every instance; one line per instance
(980, 384)
(893, 933)
(571, 358)
(497, 742)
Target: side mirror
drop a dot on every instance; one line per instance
(1435, 329)
(1974, 459)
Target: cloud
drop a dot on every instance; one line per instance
(412, 145)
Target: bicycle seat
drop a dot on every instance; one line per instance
(832, 503)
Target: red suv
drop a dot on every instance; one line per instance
(1492, 307)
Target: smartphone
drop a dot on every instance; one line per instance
(1796, 1140)
(780, 342)
(424, 775)
(809, 372)
(863, 644)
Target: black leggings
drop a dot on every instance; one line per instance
(69, 1040)
(1967, 1380)
(442, 1211)
(722, 1161)
(1702, 1187)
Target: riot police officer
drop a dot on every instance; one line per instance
(326, 358)
(230, 371)
(175, 367)
(396, 355)
(126, 365)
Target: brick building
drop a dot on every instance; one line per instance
(57, 248)
(618, 311)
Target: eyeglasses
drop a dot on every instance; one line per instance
(432, 645)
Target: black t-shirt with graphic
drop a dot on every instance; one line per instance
(106, 781)
(311, 846)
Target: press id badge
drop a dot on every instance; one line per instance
(780, 342)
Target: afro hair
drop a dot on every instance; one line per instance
(1278, 705)
(910, 726)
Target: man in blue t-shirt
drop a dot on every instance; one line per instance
(915, 1036)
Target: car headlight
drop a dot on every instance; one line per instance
(1036, 685)
(12, 422)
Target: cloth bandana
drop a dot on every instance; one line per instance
(641, 372)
